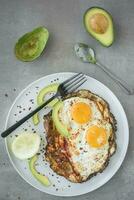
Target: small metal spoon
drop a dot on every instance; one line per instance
(87, 54)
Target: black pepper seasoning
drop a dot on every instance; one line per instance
(6, 95)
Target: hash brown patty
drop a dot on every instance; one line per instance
(56, 149)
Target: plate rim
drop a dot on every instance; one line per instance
(51, 193)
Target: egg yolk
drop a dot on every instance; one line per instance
(96, 136)
(81, 112)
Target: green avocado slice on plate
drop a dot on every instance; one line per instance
(40, 177)
(41, 98)
(30, 46)
(61, 128)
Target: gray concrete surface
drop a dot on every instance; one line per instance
(63, 18)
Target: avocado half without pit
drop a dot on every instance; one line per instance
(31, 45)
(99, 24)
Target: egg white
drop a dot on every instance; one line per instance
(66, 118)
(89, 159)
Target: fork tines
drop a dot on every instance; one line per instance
(73, 83)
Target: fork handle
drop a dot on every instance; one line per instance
(20, 122)
(127, 89)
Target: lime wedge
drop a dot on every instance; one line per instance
(26, 145)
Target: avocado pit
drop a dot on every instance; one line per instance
(99, 23)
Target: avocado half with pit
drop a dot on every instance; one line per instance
(99, 24)
(31, 45)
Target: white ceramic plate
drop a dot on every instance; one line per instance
(60, 186)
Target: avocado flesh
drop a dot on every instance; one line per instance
(31, 45)
(61, 128)
(36, 119)
(45, 91)
(40, 99)
(105, 34)
(40, 177)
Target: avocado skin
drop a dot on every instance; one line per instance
(110, 16)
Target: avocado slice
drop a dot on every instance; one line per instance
(40, 177)
(46, 90)
(99, 24)
(36, 119)
(61, 128)
(31, 45)
(40, 99)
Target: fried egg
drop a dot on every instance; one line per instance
(88, 145)
(77, 113)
